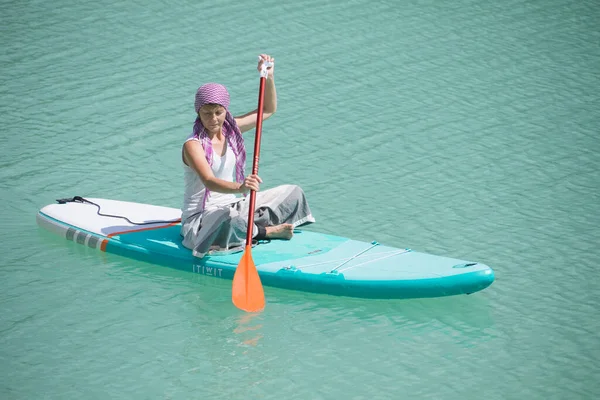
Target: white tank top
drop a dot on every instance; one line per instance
(223, 168)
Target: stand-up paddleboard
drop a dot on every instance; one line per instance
(310, 261)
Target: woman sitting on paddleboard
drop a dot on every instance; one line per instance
(214, 215)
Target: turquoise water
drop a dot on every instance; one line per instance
(467, 129)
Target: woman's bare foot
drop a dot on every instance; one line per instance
(283, 231)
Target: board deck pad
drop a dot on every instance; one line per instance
(310, 261)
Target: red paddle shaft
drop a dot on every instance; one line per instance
(259, 120)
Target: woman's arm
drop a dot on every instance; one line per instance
(194, 157)
(247, 121)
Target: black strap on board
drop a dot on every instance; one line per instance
(79, 199)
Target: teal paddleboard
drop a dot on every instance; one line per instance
(310, 261)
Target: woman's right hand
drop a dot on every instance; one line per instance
(251, 182)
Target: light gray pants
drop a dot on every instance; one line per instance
(223, 229)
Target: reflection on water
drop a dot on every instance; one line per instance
(249, 328)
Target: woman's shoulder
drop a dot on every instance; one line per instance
(192, 136)
(192, 145)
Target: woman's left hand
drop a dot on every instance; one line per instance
(268, 58)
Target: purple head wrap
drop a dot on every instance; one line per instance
(214, 93)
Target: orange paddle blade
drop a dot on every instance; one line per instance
(247, 293)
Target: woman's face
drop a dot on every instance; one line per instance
(212, 117)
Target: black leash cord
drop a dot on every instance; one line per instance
(79, 199)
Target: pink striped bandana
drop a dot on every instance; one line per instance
(214, 93)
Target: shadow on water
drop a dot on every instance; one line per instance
(472, 310)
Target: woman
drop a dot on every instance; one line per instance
(214, 215)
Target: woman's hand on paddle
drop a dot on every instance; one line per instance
(263, 58)
(251, 182)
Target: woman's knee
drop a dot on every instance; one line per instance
(293, 189)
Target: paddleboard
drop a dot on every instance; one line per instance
(310, 261)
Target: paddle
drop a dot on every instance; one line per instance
(247, 291)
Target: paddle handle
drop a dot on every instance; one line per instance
(259, 120)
